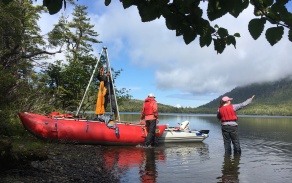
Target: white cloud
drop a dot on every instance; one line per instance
(199, 72)
(194, 69)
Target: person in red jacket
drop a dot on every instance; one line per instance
(227, 115)
(150, 114)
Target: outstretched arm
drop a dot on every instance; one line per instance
(237, 107)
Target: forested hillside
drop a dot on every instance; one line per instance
(136, 106)
(271, 98)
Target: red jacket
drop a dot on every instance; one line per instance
(150, 110)
(227, 113)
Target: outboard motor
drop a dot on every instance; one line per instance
(184, 125)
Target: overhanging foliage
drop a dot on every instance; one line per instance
(186, 18)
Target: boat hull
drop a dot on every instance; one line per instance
(173, 136)
(86, 131)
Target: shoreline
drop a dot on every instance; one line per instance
(64, 163)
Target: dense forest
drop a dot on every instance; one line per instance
(31, 78)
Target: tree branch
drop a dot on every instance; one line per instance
(40, 53)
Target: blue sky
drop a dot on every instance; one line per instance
(155, 61)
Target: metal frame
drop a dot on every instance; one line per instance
(104, 50)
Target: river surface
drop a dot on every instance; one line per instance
(266, 144)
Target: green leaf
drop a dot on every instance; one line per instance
(107, 2)
(215, 9)
(53, 6)
(279, 9)
(182, 6)
(279, 12)
(189, 34)
(203, 27)
(172, 21)
(283, 1)
(235, 7)
(219, 45)
(236, 35)
(231, 40)
(195, 15)
(148, 12)
(256, 27)
(222, 32)
(205, 40)
(179, 32)
(128, 3)
(274, 34)
(202, 41)
(268, 2)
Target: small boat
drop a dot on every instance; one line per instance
(183, 134)
(103, 130)
(82, 131)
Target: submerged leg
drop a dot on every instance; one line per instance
(235, 140)
(227, 139)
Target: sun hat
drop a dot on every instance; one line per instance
(151, 95)
(226, 98)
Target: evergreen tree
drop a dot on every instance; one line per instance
(22, 47)
(70, 77)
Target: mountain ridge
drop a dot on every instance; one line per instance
(271, 98)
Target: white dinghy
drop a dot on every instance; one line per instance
(183, 134)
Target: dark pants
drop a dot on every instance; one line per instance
(230, 134)
(108, 99)
(151, 128)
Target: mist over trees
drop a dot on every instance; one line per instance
(271, 98)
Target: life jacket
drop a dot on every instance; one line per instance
(148, 106)
(227, 113)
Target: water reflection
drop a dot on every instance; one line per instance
(122, 157)
(149, 173)
(230, 169)
(266, 144)
(186, 150)
(122, 160)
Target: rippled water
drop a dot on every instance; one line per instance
(266, 144)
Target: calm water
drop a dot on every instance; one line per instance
(266, 144)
